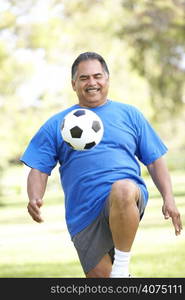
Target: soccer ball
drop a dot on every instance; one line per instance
(82, 129)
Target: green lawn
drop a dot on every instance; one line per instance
(28, 249)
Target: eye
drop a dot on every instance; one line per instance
(83, 78)
(98, 76)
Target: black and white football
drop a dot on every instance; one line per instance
(82, 129)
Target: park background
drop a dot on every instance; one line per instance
(143, 43)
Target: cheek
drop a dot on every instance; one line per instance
(105, 86)
(78, 88)
(104, 83)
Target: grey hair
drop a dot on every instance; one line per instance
(88, 56)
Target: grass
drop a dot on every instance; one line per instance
(28, 249)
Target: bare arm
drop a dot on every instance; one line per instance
(36, 186)
(161, 177)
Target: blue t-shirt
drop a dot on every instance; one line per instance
(87, 176)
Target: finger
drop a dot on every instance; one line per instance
(39, 202)
(37, 218)
(177, 224)
(35, 214)
(33, 211)
(179, 228)
(34, 205)
(177, 231)
(166, 216)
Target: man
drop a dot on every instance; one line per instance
(105, 196)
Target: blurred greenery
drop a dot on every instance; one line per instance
(143, 43)
(155, 32)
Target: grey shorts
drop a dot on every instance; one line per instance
(93, 242)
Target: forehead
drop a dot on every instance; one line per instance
(89, 67)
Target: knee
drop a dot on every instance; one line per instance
(124, 192)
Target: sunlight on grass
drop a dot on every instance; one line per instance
(25, 243)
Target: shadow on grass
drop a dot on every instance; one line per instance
(42, 270)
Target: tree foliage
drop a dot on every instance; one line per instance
(143, 42)
(155, 31)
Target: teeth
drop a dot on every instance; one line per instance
(92, 90)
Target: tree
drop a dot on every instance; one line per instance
(155, 31)
(47, 35)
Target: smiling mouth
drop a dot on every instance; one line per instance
(92, 90)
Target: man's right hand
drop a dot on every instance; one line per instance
(34, 209)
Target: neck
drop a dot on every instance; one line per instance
(92, 105)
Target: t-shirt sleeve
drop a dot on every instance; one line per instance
(150, 146)
(41, 153)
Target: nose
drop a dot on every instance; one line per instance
(91, 81)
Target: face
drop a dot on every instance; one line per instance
(91, 83)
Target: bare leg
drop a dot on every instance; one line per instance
(124, 220)
(124, 214)
(102, 269)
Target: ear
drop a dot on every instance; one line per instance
(73, 84)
